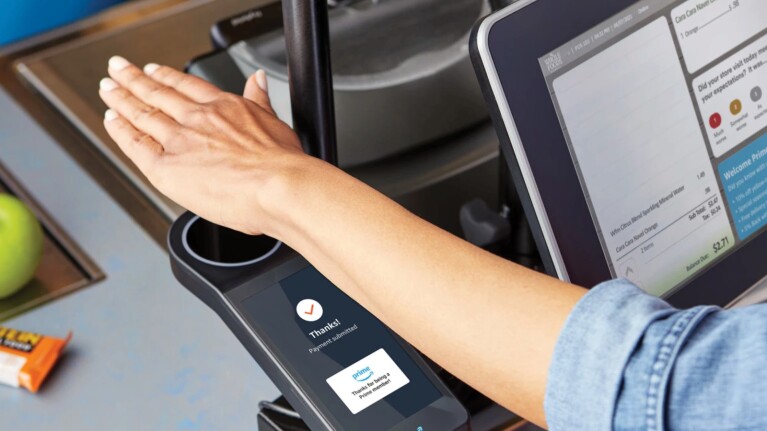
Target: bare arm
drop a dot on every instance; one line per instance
(202, 148)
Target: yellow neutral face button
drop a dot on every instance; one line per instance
(736, 106)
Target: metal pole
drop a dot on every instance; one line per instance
(311, 81)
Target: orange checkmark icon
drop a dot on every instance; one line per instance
(309, 310)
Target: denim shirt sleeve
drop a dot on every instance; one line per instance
(629, 361)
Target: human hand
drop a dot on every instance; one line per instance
(217, 154)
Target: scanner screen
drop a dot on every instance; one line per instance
(665, 116)
(340, 353)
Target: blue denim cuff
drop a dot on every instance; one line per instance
(592, 352)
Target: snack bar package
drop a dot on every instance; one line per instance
(26, 358)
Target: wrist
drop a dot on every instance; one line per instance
(290, 183)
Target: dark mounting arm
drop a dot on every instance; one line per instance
(311, 80)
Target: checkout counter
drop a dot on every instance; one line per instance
(146, 354)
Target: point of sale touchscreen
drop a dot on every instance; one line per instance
(664, 111)
(348, 358)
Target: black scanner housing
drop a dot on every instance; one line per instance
(223, 288)
(211, 284)
(201, 271)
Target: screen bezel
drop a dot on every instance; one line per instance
(536, 150)
(445, 411)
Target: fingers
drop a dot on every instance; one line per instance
(141, 148)
(147, 119)
(256, 90)
(148, 90)
(196, 89)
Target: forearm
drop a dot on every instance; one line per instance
(424, 282)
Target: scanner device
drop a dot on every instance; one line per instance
(335, 363)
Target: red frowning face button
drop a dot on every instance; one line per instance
(715, 121)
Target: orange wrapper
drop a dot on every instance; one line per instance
(26, 358)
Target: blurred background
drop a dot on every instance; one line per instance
(24, 18)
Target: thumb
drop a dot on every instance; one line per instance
(256, 90)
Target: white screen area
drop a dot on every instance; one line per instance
(643, 159)
(673, 161)
(708, 29)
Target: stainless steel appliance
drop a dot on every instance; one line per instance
(402, 77)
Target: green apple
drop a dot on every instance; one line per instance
(21, 245)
